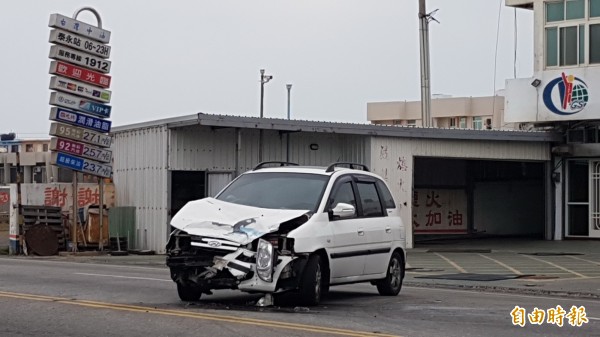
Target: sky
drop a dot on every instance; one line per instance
(180, 57)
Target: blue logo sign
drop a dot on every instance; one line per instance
(94, 108)
(77, 119)
(566, 95)
(68, 161)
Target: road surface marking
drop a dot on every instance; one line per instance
(557, 266)
(128, 277)
(459, 268)
(558, 279)
(45, 261)
(179, 313)
(502, 264)
(580, 259)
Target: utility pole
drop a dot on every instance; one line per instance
(424, 19)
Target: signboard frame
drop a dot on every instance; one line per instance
(78, 42)
(80, 149)
(77, 88)
(80, 134)
(80, 58)
(81, 164)
(79, 27)
(66, 116)
(79, 73)
(80, 104)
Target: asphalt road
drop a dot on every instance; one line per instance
(53, 298)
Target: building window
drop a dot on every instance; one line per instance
(555, 11)
(452, 122)
(45, 147)
(477, 123)
(411, 122)
(28, 147)
(575, 9)
(594, 8)
(14, 148)
(568, 24)
(397, 122)
(595, 43)
(462, 123)
(488, 123)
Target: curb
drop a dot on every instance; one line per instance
(495, 289)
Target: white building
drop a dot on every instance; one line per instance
(564, 95)
(476, 113)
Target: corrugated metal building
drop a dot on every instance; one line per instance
(160, 165)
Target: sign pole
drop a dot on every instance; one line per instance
(75, 217)
(101, 212)
(22, 245)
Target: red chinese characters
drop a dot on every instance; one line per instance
(81, 74)
(4, 197)
(87, 196)
(68, 146)
(439, 211)
(54, 196)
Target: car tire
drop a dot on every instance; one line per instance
(312, 281)
(392, 283)
(188, 293)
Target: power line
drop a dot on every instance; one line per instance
(496, 58)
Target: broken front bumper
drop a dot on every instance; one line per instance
(232, 270)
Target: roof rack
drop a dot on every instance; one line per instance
(331, 167)
(281, 163)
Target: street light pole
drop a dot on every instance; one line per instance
(262, 91)
(263, 79)
(287, 138)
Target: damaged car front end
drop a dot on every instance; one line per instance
(240, 247)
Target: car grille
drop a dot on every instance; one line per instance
(213, 243)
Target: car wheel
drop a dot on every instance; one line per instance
(392, 283)
(311, 281)
(188, 293)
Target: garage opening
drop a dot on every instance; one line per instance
(186, 186)
(461, 198)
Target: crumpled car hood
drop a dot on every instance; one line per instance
(239, 223)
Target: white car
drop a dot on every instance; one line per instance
(290, 228)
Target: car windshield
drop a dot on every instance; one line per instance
(301, 191)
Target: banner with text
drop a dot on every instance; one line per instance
(439, 211)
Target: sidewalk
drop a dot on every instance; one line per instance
(559, 268)
(568, 268)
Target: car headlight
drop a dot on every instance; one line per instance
(264, 260)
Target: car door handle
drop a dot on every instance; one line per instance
(388, 230)
(361, 233)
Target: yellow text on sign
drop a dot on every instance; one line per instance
(575, 317)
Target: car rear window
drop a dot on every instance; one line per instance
(388, 200)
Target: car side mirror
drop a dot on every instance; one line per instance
(343, 211)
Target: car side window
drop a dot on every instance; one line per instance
(345, 194)
(369, 198)
(386, 196)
